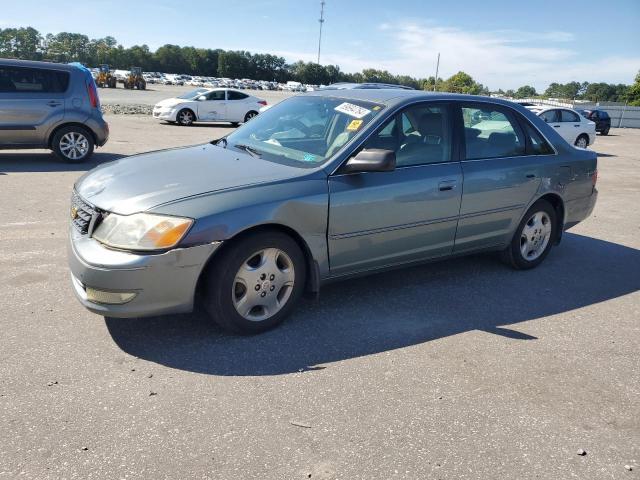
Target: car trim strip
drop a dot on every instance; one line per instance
(17, 127)
(340, 236)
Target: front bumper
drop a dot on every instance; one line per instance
(164, 283)
(164, 114)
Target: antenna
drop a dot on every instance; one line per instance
(321, 20)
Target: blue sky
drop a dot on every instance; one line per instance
(502, 44)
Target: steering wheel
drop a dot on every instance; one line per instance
(297, 124)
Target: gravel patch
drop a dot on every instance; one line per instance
(127, 109)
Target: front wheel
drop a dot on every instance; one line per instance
(185, 117)
(533, 238)
(605, 131)
(255, 283)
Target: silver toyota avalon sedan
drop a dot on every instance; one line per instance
(321, 187)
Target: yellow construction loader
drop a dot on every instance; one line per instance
(135, 79)
(106, 79)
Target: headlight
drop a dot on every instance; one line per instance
(142, 231)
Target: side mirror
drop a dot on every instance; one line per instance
(371, 160)
(202, 98)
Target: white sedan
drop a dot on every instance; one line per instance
(571, 126)
(209, 105)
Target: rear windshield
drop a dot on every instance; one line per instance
(32, 80)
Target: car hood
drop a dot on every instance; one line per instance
(141, 182)
(171, 102)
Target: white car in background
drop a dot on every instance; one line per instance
(571, 126)
(209, 105)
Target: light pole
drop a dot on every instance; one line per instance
(321, 22)
(435, 82)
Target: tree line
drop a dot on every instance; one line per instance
(29, 44)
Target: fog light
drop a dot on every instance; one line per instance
(111, 298)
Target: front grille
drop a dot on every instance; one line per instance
(82, 213)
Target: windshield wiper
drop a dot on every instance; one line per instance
(250, 150)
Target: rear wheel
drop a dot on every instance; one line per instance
(255, 283)
(582, 141)
(73, 144)
(605, 131)
(533, 238)
(185, 117)
(250, 115)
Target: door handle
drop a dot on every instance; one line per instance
(531, 175)
(576, 126)
(54, 103)
(556, 126)
(447, 185)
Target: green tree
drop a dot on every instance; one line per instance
(633, 94)
(24, 43)
(525, 91)
(461, 82)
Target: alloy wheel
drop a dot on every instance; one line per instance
(74, 145)
(581, 142)
(186, 117)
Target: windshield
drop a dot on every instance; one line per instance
(192, 94)
(303, 131)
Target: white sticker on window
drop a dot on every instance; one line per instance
(352, 110)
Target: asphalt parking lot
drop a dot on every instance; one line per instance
(456, 370)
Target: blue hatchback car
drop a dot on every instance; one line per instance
(322, 187)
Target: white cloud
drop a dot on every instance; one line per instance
(499, 59)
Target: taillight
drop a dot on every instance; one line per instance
(93, 94)
(262, 102)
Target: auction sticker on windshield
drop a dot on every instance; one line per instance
(352, 110)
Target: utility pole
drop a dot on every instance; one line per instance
(321, 22)
(435, 82)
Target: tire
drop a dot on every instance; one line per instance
(605, 131)
(250, 115)
(236, 283)
(73, 144)
(582, 141)
(185, 117)
(515, 255)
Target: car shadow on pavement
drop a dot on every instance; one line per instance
(393, 310)
(47, 162)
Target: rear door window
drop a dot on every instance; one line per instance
(537, 144)
(569, 116)
(32, 80)
(233, 95)
(491, 132)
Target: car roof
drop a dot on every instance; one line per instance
(393, 97)
(365, 85)
(35, 64)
